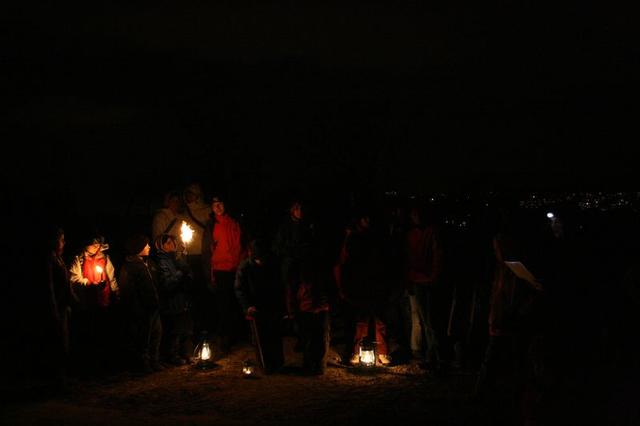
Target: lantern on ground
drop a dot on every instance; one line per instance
(367, 353)
(203, 355)
(248, 369)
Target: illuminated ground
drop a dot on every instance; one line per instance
(401, 395)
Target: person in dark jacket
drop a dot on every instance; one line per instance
(363, 288)
(259, 292)
(141, 304)
(312, 315)
(60, 299)
(174, 287)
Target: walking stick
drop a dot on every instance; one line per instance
(256, 338)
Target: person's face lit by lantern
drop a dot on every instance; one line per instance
(218, 207)
(92, 249)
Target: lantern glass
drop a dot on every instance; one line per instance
(203, 355)
(367, 355)
(248, 369)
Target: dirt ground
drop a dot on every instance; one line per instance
(189, 396)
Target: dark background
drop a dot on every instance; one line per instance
(259, 97)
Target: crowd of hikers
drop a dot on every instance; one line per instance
(492, 293)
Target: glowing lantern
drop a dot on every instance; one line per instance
(550, 215)
(367, 354)
(186, 233)
(203, 355)
(248, 369)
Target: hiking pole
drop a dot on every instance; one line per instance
(256, 337)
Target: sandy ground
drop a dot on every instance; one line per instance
(188, 396)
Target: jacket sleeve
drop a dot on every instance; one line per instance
(111, 275)
(75, 273)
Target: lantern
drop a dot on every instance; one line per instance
(203, 355)
(367, 353)
(248, 370)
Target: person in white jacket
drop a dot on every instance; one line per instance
(197, 213)
(93, 280)
(168, 219)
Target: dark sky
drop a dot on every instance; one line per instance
(412, 96)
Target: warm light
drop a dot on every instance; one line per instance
(550, 215)
(205, 354)
(367, 356)
(186, 233)
(247, 369)
(99, 271)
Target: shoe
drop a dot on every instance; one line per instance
(384, 359)
(355, 359)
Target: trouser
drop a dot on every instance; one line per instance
(314, 338)
(177, 334)
(145, 333)
(230, 316)
(204, 303)
(424, 318)
(269, 339)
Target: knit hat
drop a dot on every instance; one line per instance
(135, 244)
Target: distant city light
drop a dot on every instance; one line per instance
(550, 215)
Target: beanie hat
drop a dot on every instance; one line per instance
(135, 244)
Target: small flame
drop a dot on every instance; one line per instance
(186, 233)
(205, 354)
(99, 269)
(247, 370)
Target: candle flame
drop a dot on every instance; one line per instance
(186, 233)
(99, 269)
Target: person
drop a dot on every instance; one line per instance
(312, 316)
(293, 243)
(222, 252)
(140, 301)
(175, 281)
(362, 291)
(424, 262)
(196, 215)
(514, 319)
(168, 219)
(60, 298)
(258, 291)
(93, 280)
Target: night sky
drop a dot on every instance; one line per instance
(253, 98)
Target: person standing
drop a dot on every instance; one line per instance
(222, 252)
(138, 279)
(196, 214)
(424, 263)
(92, 277)
(175, 282)
(258, 290)
(293, 244)
(60, 298)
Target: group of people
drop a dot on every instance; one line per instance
(388, 284)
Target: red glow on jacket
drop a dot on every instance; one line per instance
(227, 249)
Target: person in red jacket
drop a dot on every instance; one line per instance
(222, 252)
